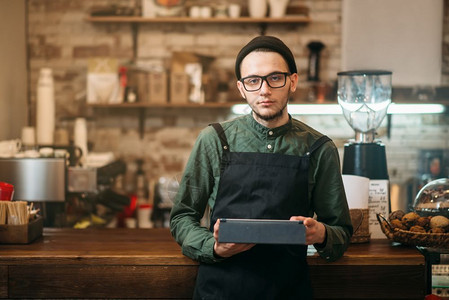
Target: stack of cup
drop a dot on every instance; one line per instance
(80, 137)
(28, 137)
(6, 191)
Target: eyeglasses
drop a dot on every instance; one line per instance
(274, 80)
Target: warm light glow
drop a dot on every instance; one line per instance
(335, 109)
(415, 108)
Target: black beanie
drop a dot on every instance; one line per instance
(267, 42)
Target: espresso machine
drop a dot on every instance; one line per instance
(61, 189)
(364, 96)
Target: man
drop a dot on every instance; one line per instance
(264, 165)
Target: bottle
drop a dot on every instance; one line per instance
(141, 184)
(45, 108)
(80, 138)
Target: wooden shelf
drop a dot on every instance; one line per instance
(289, 19)
(142, 108)
(167, 105)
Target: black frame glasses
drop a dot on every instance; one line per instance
(274, 80)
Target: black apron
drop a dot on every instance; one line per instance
(259, 186)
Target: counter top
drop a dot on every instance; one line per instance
(98, 246)
(147, 263)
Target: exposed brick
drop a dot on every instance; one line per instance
(45, 51)
(61, 39)
(91, 51)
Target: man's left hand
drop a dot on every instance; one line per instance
(315, 231)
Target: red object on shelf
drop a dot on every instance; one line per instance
(131, 208)
(6, 191)
(128, 211)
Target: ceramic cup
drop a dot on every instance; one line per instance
(195, 12)
(10, 148)
(234, 10)
(28, 136)
(206, 12)
(257, 8)
(278, 8)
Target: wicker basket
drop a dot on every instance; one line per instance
(360, 223)
(406, 237)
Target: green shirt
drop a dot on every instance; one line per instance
(199, 185)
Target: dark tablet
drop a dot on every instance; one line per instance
(262, 231)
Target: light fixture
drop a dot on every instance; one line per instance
(335, 109)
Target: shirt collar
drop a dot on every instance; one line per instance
(278, 131)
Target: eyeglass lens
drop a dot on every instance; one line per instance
(254, 83)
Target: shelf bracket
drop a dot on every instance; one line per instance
(141, 122)
(135, 33)
(263, 28)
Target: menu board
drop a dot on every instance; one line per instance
(378, 202)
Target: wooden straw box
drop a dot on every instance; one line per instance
(21, 234)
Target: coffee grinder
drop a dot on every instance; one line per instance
(364, 96)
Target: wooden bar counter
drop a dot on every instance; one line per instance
(148, 264)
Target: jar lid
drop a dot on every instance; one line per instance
(6, 186)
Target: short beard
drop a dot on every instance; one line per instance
(275, 115)
(270, 117)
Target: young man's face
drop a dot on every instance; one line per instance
(268, 103)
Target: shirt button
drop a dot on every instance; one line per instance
(269, 146)
(270, 132)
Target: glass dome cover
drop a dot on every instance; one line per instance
(433, 198)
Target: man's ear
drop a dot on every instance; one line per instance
(293, 82)
(241, 89)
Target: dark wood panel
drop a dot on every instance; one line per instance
(3, 282)
(368, 282)
(69, 281)
(139, 263)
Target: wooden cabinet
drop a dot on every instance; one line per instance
(147, 263)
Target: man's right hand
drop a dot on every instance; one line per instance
(227, 249)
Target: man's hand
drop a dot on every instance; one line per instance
(315, 231)
(227, 249)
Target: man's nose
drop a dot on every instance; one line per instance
(265, 88)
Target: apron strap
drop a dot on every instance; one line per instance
(318, 143)
(219, 129)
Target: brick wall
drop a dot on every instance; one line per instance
(60, 38)
(445, 71)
